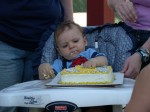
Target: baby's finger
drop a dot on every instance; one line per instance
(46, 76)
(51, 72)
(52, 76)
(41, 76)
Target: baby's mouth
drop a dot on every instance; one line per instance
(72, 53)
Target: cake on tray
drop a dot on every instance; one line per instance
(82, 75)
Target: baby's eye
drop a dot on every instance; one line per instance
(75, 41)
(64, 46)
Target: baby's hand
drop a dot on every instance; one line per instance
(45, 71)
(89, 64)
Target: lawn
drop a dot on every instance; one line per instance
(79, 5)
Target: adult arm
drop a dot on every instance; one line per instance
(124, 9)
(140, 99)
(133, 63)
(147, 44)
(68, 9)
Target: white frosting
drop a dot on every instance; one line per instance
(87, 78)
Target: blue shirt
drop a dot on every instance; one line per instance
(22, 22)
(88, 54)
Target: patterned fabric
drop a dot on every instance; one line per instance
(112, 41)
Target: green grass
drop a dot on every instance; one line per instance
(79, 5)
(117, 20)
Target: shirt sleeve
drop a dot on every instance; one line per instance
(57, 66)
(91, 53)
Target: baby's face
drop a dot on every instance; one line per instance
(70, 43)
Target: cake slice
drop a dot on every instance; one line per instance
(82, 75)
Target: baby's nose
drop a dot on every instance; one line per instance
(71, 45)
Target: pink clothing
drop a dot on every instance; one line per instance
(143, 13)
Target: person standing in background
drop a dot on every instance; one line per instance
(22, 24)
(66, 14)
(136, 23)
(135, 14)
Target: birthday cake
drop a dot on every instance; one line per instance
(82, 75)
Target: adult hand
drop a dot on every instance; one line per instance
(45, 71)
(125, 10)
(132, 66)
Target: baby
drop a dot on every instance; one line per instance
(71, 44)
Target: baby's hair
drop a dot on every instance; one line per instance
(66, 25)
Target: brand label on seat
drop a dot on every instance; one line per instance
(61, 106)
